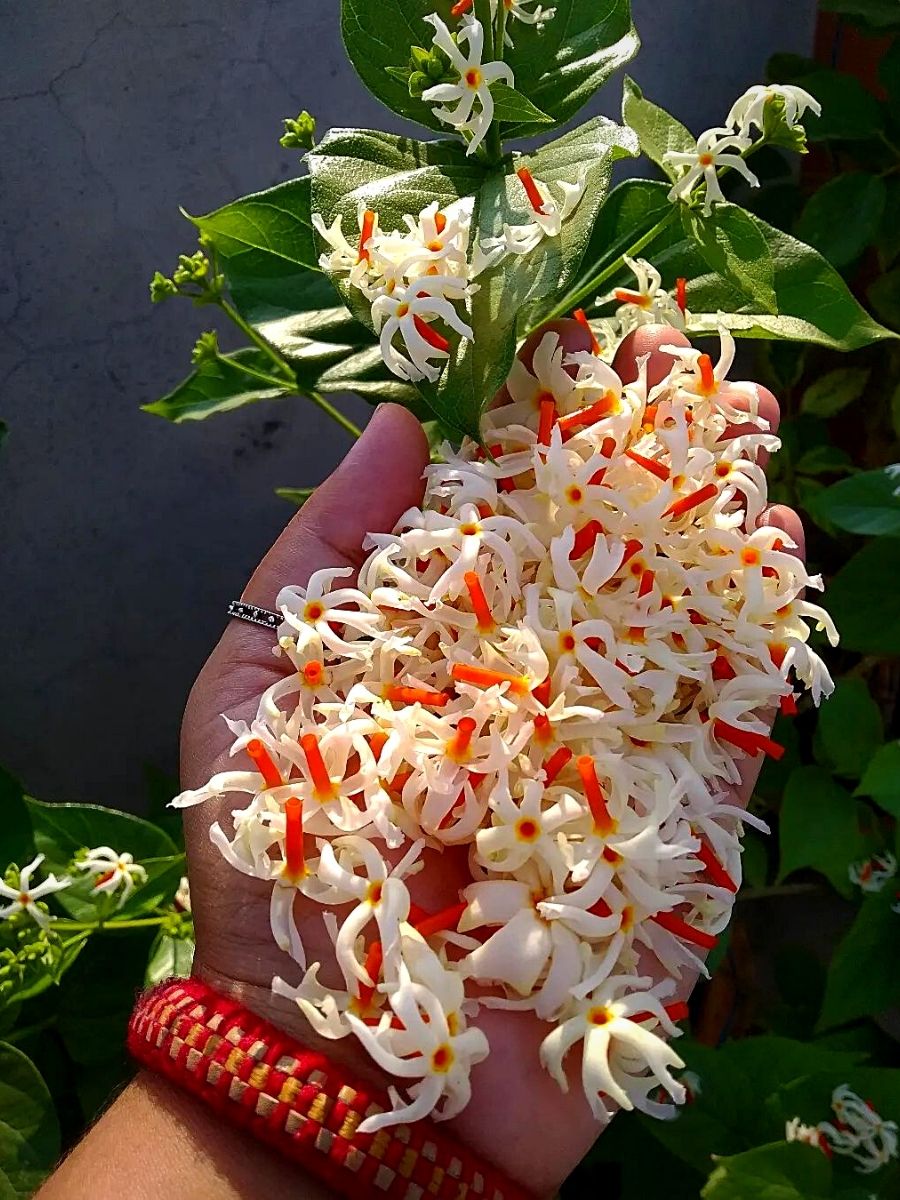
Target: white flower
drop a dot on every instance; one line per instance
(859, 1132)
(520, 10)
(428, 1046)
(548, 216)
(407, 311)
(747, 111)
(183, 895)
(715, 148)
(873, 874)
(796, 1131)
(24, 897)
(474, 109)
(647, 303)
(618, 1045)
(113, 871)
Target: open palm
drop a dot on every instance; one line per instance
(517, 1117)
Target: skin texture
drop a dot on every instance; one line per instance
(512, 1096)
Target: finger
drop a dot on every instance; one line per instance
(784, 518)
(573, 336)
(643, 341)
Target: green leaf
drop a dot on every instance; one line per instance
(298, 496)
(849, 730)
(60, 830)
(778, 1171)
(884, 296)
(864, 601)
(819, 828)
(16, 841)
(657, 131)
(93, 1020)
(511, 106)
(813, 303)
(731, 243)
(561, 66)
(29, 1131)
(881, 779)
(824, 460)
(887, 240)
(265, 244)
(729, 1114)
(867, 503)
(849, 111)
(864, 975)
(833, 391)
(170, 957)
(824, 222)
(218, 386)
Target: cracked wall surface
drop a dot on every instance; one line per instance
(122, 538)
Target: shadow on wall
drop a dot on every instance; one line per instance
(125, 537)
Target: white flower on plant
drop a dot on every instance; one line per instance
(548, 216)
(113, 871)
(408, 311)
(344, 256)
(872, 874)
(474, 109)
(810, 1135)
(183, 895)
(715, 148)
(648, 303)
(859, 1132)
(748, 110)
(23, 897)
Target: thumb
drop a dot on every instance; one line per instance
(378, 480)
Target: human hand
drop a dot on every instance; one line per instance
(380, 478)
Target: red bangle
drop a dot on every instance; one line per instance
(299, 1102)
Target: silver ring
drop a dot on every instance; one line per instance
(243, 611)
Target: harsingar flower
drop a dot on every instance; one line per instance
(408, 312)
(810, 1135)
(548, 215)
(648, 303)
(715, 148)
(859, 1132)
(872, 874)
(113, 871)
(474, 109)
(23, 897)
(747, 112)
(521, 10)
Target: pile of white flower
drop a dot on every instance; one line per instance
(558, 664)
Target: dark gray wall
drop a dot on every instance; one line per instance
(122, 537)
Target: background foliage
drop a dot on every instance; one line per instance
(783, 1021)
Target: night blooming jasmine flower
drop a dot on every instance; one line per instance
(521, 10)
(874, 873)
(810, 1135)
(747, 111)
(859, 1132)
(113, 871)
(23, 897)
(408, 311)
(474, 109)
(549, 213)
(715, 148)
(645, 304)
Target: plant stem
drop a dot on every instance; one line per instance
(271, 380)
(570, 301)
(345, 422)
(65, 926)
(257, 338)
